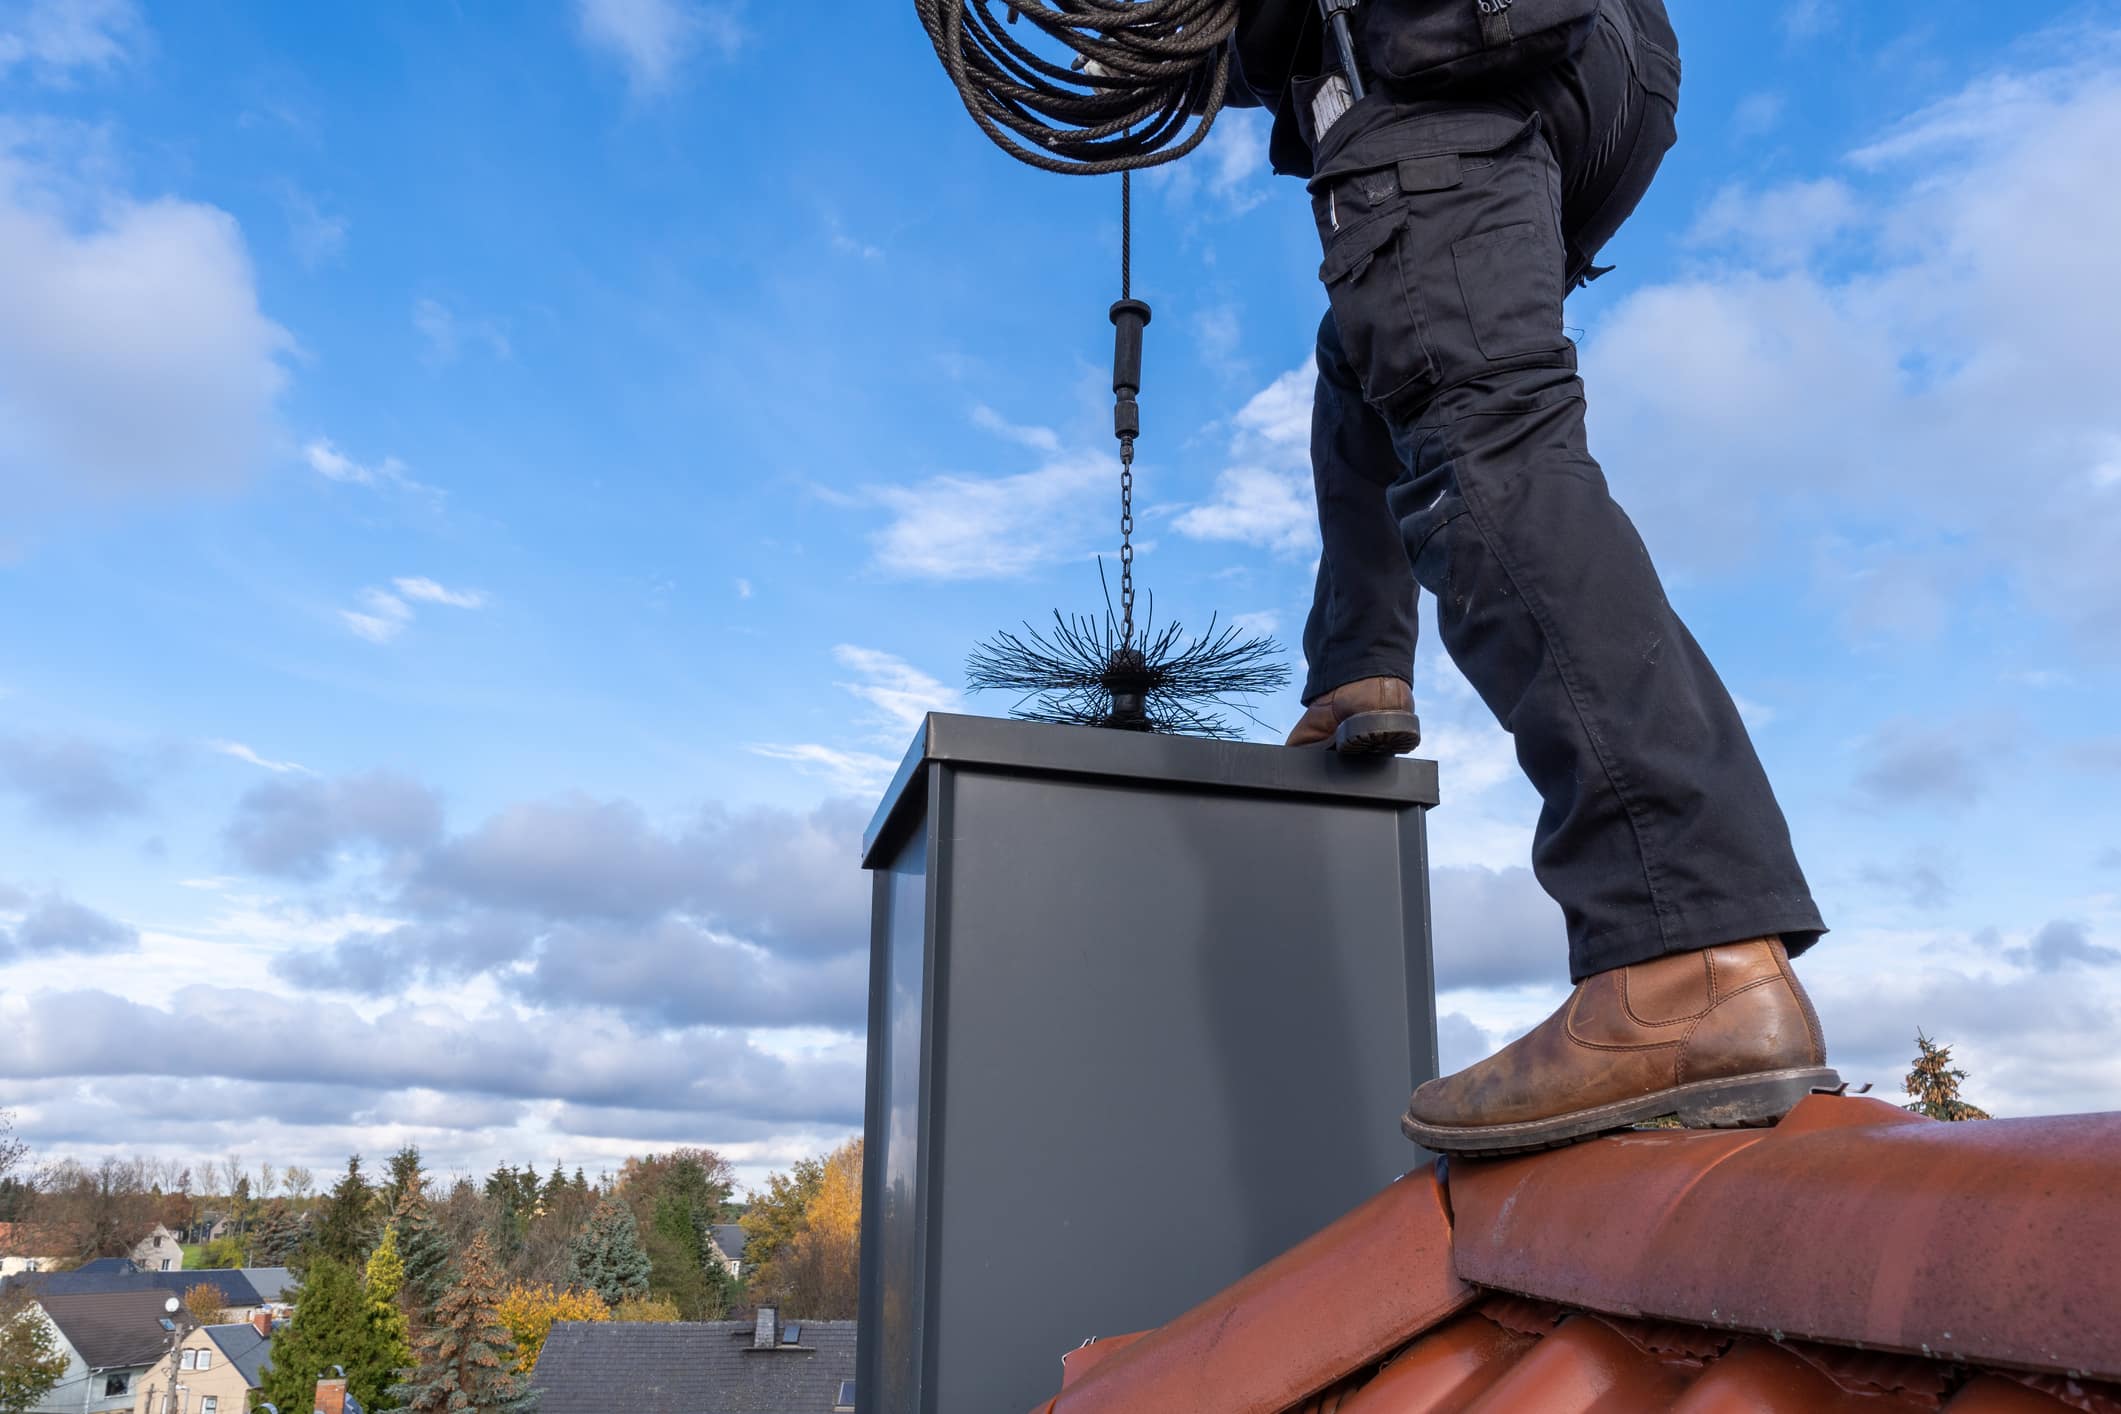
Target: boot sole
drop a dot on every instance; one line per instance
(1378, 734)
(1735, 1102)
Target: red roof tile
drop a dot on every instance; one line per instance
(1288, 1329)
(1997, 1243)
(1667, 1270)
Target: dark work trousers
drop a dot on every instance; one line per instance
(1448, 448)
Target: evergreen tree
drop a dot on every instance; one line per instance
(581, 1183)
(342, 1230)
(555, 1188)
(334, 1324)
(278, 1238)
(606, 1254)
(404, 1175)
(385, 1281)
(423, 1251)
(1934, 1083)
(467, 1359)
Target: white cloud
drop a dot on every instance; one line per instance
(446, 332)
(1039, 439)
(133, 355)
(1758, 114)
(1807, 19)
(381, 618)
(240, 752)
(858, 772)
(1255, 506)
(1782, 226)
(1976, 340)
(902, 693)
(326, 460)
(56, 38)
(426, 591)
(743, 589)
(384, 614)
(952, 527)
(652, 39)
(318, 237)
(1265, 499)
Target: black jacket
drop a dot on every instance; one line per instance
(1276, 41)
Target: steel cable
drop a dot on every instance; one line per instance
(1149, 77)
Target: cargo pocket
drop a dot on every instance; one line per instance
(1378, 319)
(1511, 280)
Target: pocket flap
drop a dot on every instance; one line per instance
(1352, 248)
(1438, 173)
(1461, 132)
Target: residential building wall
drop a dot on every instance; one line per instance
(220, 1382)
(10, 1266)
(159, 1251)
(82, 1390)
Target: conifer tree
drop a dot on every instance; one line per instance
(424, 1253)
(385, 1280)
(334, 1324)
(342, 1229)
(467, 1359)
(1934, 1083)
(278, 1238)
(606, 1254)
(405, 1175)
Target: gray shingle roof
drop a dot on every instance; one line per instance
(235, 1288)
(269, 1281)
(245, 1348)
(111, 1330)
(730, 1237)
(690, 1367)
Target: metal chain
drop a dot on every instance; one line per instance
(1126, 446)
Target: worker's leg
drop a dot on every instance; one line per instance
(1359, 639)
(1659, 834)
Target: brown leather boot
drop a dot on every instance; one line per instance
(1367, 717)
(1722, 1038)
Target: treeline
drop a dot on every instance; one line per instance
(517, 1248)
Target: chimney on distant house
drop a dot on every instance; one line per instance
(261, 1321)
(767, 1333)
(331, 1396)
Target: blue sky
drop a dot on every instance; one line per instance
(486, 491)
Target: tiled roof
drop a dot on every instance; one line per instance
(245, 1348)
(690, 1367)
(731, 1237)
(111, 1330)
(235, 1288)
(1853, 1258)
(269, 1282)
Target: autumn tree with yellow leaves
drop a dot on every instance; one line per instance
(804, 1238)
(531, 1309)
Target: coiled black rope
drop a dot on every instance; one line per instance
(1149, 77)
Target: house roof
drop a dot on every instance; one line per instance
(235, 1288)
(244, 1347)
(690, 1367)
(111, 1330)
(1853, 1257)
(270, 1283)
(731, 1237)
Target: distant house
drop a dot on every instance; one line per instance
(698, 1367)
(729, 1240)
(217, 1368)
(159, 1251)
(22, 1250)
(111, 1339)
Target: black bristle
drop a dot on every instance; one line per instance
(1085, 673)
